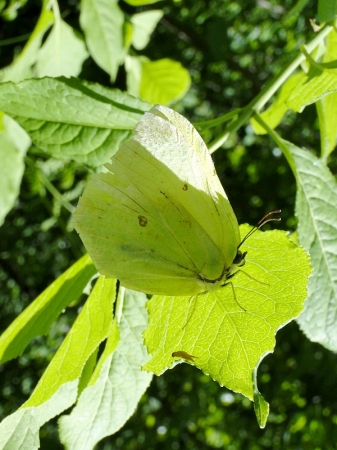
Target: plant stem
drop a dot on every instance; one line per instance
(269, 90)
(217, 121)
(55, 193)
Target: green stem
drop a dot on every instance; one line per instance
(55, 193)
(218, 121)
(14, 40)
(269, 90)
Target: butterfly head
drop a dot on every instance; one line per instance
(239, 259)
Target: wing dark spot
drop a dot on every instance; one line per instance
(142, 220)
(185, 187)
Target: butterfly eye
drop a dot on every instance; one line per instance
(239, 259)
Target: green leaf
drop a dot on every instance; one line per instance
(141, 2)
(327, 106)
(74, 119)
(14, 143)
(88, 370)
(107, 403)
(313, 89)
(316, 209)
(227, 341)
(20, 431)
(102, 23)
(326, 110)
(127, 37)
(327, 10)
(63, 53)
(12, 8)
(261, 408)
(163, 81)
(144, 24)
(57, 389)
(21, 68)
(274, 114)
(37, 318)
(89, 330)
(133, 67)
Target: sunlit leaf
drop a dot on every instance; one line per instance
(316, 208)
(57, 389)
(112, 396)
(102, 23)
(312, 89)
(63, 53)
(69, 118)
(89, 330)
(14, 143)
(228, 337)
(163, 81)
(37, 318)
(144, 24)
(20, 431)
(159, 82)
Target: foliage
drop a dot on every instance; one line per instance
(72, 122)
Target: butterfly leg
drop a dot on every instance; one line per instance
(252, 278)
(234, 295)
(194, 298)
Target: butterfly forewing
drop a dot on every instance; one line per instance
(159, 218)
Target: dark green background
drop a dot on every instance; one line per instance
(230, 49)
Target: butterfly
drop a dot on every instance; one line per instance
(159, 219)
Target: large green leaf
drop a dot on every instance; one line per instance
(20, 431)
(316, 208)
(37, 318)
(57, 389)
(74, 119)
(228, 337)
(102, 23)
(117, 385)
(14, 143)
(89, 330)
(63, 52)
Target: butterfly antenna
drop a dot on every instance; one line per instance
(265, 219)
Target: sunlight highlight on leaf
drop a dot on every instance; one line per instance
(228, 342)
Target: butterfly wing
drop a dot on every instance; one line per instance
(159, 218)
